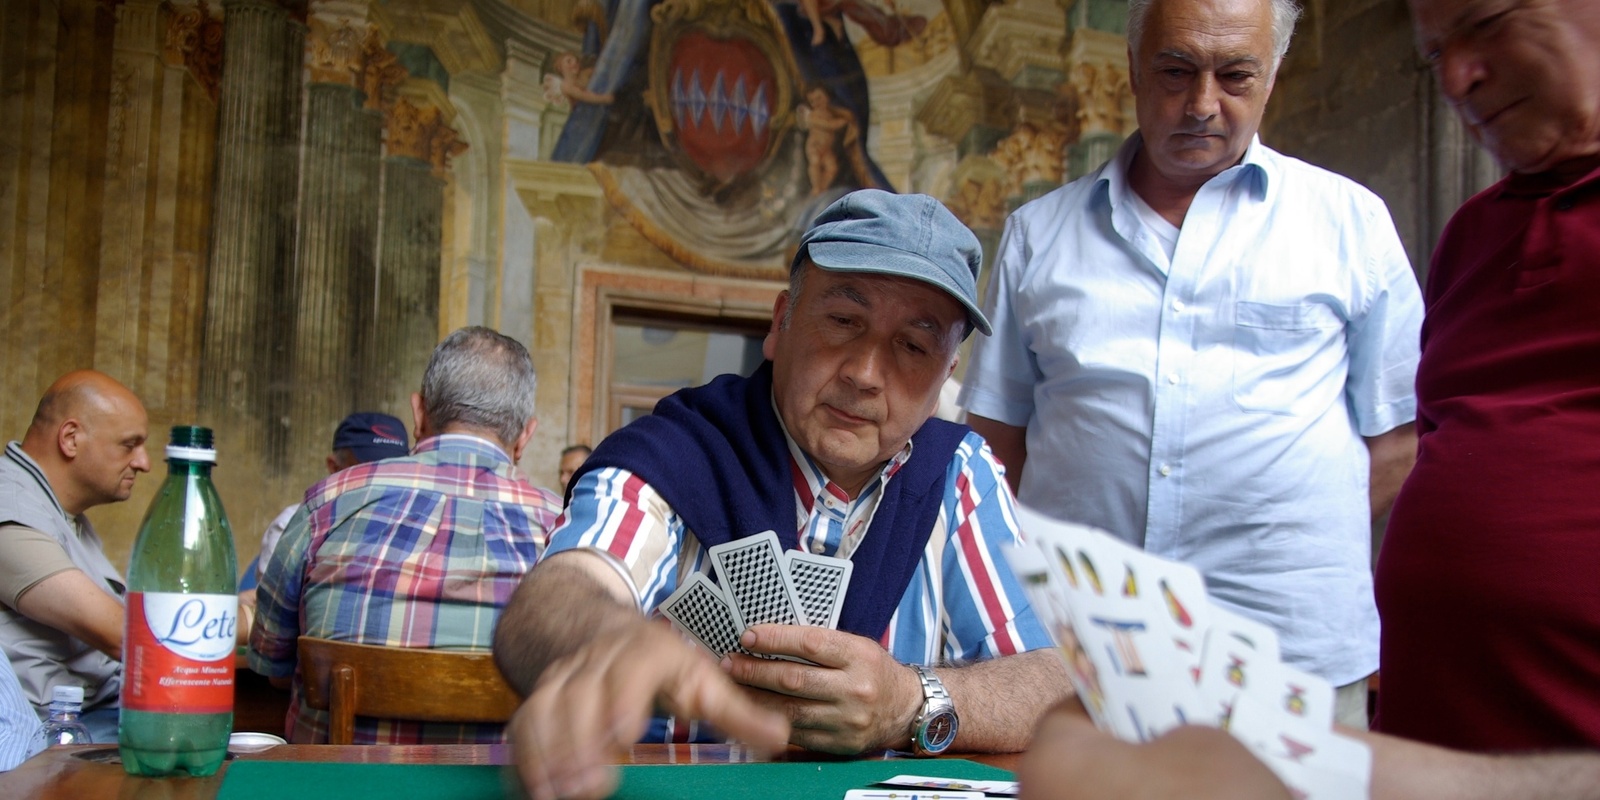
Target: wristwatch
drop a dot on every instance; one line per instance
(935, 726)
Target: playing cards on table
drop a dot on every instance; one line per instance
(1147, 651)
(757, 582)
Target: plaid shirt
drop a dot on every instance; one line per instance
(421, 551)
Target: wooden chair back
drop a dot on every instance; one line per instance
(359, 680)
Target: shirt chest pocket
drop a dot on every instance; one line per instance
(1286, 357)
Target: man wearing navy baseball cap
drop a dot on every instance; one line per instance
(368, 436)
(360, 438)
(832, 445)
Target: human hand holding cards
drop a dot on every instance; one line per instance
(1147, 652)
(757, 583)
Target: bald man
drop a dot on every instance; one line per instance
(60, 599)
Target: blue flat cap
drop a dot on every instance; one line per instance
(910, 235)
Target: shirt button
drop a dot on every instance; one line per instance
(1177, 305)
(818, 546)
(1165, 470)
(1172, 378)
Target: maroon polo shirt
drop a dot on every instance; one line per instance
(1488, 582)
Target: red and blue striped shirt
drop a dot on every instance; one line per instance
(962, 604)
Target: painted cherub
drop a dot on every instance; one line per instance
(828, 126)
(572, 83)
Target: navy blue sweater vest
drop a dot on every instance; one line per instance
(716, 454)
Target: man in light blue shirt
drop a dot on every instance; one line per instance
(20, 728)
(1208, 348)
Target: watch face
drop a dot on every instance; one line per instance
(939, 732)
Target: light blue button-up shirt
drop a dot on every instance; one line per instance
(20, 734)
(1211, 406)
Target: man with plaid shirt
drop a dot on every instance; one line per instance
(421, 551)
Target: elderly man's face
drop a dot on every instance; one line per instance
(858, 366)
(1201, 79)
(1523, 75)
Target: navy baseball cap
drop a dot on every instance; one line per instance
(910, 235)
(372, 436)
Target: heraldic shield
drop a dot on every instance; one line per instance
(722, 86)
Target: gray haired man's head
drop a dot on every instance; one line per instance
(480, 379)
(1285, 13)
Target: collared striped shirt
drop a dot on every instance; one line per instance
(962, 604)
(422, 551)
(19, 726)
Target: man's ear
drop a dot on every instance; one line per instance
(780, 307)
(418, 418)
(67, 438)
(523, 439)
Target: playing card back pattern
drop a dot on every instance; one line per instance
(819, 586)
(752, 574)
(700, 610)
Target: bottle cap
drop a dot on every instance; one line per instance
(67, 694)
(191, 443)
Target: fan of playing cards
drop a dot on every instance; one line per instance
(1147, 652)
(759, 583)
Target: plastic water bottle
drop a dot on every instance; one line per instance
(63, 727)
(182, 620)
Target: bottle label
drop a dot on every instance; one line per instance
(178, 652)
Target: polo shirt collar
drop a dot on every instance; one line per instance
(462, 442)
(15, 452)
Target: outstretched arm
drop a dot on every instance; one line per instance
(563, 603)
(72, 602)
(594, 669)
(1070, 758)
(1407, 770)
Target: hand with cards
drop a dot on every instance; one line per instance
(839, 690)
(757, 583)
(1148, 652)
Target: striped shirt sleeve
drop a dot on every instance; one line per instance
(986, 611)
(614, 510)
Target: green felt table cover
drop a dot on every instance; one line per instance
(823, 780)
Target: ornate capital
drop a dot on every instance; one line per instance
(978, 194)
(421, 132)
(193, 40)
(1031, 156)
(1097, 77)
(335, 50)
(380, 73)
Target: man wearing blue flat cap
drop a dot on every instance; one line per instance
(832, 445)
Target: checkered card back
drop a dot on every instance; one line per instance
(819, 584)
(699, 609)
(751, 573)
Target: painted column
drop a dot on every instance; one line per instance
(330, 289)
(406, 324)
(254, 181)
